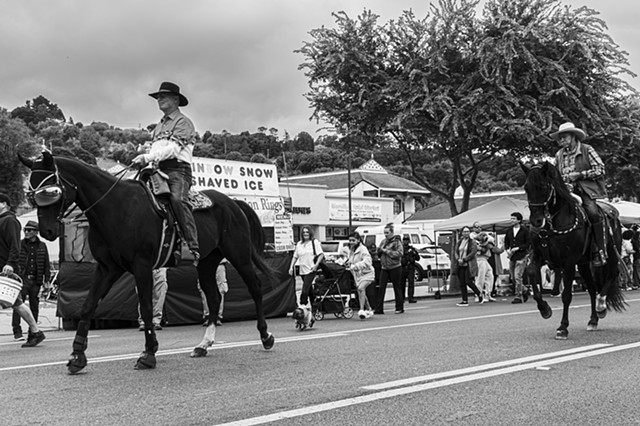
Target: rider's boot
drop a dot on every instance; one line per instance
(600, 257)
(187, 225)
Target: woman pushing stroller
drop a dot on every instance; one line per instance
(361, 267)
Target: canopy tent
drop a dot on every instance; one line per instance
(493, 216)
(629, 212)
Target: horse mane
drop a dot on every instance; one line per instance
(76, 162)
(549, 174)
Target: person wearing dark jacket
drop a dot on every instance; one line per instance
(9, 262)
(464, 264)
(390, 253)
(516, 244)
(35, 271)
(409, 257)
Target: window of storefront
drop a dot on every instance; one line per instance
(337, 232)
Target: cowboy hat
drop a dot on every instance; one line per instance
(569, 127)
(32, 224)
(168, 87)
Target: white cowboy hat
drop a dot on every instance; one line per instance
(569, 127)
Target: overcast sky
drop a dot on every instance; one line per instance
(233, 59)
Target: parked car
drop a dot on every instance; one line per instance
(434, 261)
(335, 249)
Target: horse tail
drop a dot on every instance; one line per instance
(257, 238)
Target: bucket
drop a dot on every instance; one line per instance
(10, 287)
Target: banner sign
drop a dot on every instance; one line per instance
(235, 177)
(360, 211)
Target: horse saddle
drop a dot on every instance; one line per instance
(157, 184)
(173, 248)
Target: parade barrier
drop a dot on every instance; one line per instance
(183, 304)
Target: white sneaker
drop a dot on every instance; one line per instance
(361, 314)
(368, 314)
(477, 299)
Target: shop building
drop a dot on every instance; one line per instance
(321, 200)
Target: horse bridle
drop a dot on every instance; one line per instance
(550, 201)
(57, 191)
(47, 194)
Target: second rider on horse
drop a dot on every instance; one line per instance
(583, 171)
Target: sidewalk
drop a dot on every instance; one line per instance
(47, 320)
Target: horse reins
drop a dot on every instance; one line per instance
(550, 201)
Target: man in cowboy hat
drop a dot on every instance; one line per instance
(9, 264)
(583, 171)
(172, 151)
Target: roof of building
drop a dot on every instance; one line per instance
(371, 172)
(442, 210)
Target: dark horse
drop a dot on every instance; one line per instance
(561, 236)
(125, 234)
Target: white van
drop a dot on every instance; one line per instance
(375, 234)
(433, 260)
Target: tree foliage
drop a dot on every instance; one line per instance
(466, 88)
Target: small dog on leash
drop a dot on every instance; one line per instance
(303, 317)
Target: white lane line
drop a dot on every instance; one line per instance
(216, 346)
(419, 388)
(479, 368)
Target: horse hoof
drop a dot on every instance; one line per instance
(268, 342)
(601, 314)
(76, 363)
(546, 311)
(592, 327)
(198, 353)
(146, 361)
(562, 334)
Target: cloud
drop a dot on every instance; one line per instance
(234, 60)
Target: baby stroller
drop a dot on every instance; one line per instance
(333, 287)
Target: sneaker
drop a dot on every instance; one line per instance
(462, 304)
(490, 299)
(361, 314)
(34, 339)
(368, 314)
(157, 327)
(413, 301)
(18, 336)
(218, 322)
(477, 299)
(141, 327)
(480, 299)
(401, 311)
(516, 300)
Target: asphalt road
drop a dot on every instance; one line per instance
(490, 364)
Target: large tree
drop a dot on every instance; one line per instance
(14, 137)
(467, 88)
